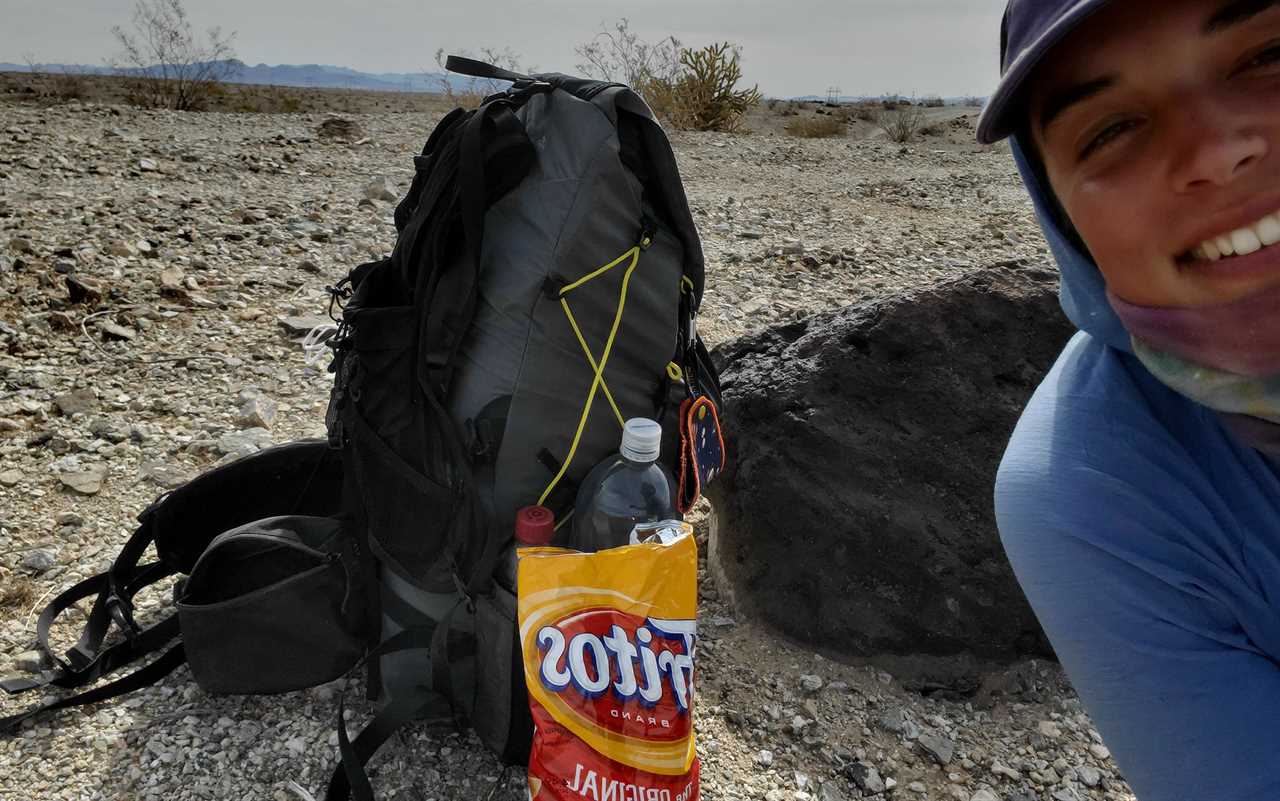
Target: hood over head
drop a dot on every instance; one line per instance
(1083, 292)
(1029, 31)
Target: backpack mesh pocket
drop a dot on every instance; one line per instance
(398, 468)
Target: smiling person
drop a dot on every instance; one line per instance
(1139, 497)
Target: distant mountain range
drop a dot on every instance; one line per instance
(950, 101)
(330, 77)
(303, 75)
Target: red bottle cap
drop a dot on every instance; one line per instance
(535, 525)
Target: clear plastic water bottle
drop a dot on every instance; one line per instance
(629, 487)
(535, 525)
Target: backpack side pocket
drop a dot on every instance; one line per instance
(270, 608)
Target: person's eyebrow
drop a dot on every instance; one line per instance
(1236, 13)
(1059, 101)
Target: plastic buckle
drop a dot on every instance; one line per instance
(78, 658)
(121, 612)
(462, 590)
(525, 87)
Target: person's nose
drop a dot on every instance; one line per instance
(1215, 146)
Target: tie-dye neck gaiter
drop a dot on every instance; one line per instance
(1225, 357)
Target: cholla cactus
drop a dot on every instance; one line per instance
(706, 95)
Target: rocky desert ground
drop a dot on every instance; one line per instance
(157, 271)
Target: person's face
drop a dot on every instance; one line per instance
(1159, 127)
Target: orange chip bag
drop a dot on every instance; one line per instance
(608, 642)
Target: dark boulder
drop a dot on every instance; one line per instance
(856, 514)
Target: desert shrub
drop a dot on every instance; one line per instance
(867, 113)
(931, 129)
(164, 64)
(262, 100)
(61, 85)
(933, 102)
(16, 592)
(619, 54)
(70, 85)
(783, 108)
(690, 89)
(246, 100)
(902, 124)
(704, 97)
(822, 127)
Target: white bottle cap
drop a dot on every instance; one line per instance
(641, 440)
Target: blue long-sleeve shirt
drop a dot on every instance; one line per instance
(1147, 540)
(1148, 543)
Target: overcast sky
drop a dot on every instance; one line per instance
(794, 47)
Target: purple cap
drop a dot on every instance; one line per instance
(1030, 30)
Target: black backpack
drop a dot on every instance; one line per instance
(543, 288)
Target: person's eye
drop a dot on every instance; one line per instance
(1106, 136)
(1268, 57)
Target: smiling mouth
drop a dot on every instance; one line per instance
(1241, 242)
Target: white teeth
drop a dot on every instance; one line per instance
(1245, 241)
(1242, 241)
(1268, 229)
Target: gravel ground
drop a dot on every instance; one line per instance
(202, 233)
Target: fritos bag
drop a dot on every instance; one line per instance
(608, 641)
